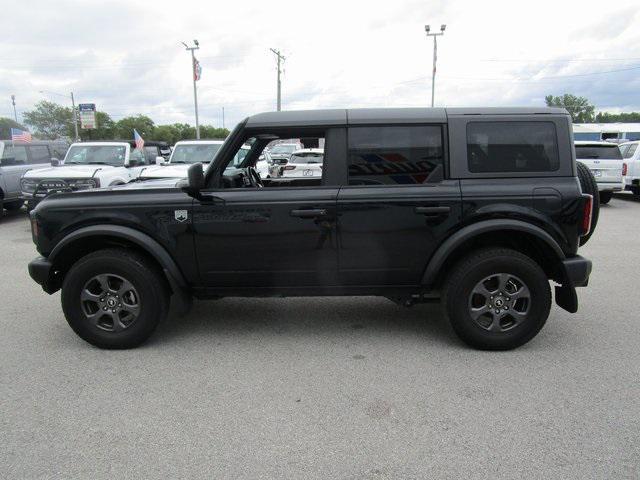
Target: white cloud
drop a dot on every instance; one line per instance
(126, 56)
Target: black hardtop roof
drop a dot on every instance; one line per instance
(355, 116)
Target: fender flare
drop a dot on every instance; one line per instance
(144, 241)
(475, 229)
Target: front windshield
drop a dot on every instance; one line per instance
(96, 155)
(284, 149)
(306, 157)
(194, 153)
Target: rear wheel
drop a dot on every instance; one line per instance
(497, 299)
(13, 205)
(114, 298)
(635, 190)
(588, 185)
(605, 197)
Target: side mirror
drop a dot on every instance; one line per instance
(195, 176)
(55, 162)
(160, 161)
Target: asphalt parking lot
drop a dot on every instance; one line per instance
(349, 388)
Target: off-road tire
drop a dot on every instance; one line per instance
(465, 277)
(589, 185)
(13, 205)
(605, 197)
(148, 284)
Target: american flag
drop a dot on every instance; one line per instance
(138, 139)
(18, 135)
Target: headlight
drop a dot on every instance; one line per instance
(28, 185)
(83, 183)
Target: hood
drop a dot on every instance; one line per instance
(159, 183)
(179, 170)
(67, 171)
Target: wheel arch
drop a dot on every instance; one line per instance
(524, 237)
(95, 237)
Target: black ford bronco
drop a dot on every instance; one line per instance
(480, 208)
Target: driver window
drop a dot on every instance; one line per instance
(282, 162)
(136, 157)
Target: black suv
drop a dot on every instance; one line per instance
(479, 207)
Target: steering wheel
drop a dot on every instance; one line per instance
(254, 177)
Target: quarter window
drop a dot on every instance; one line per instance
(631, 150)
(496, 147)
(399, 155)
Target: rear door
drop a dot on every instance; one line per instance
(397, 205)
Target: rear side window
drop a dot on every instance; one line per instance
(14, 155)
(39, 154)
(398, 155)
(602, 152)
(496, 147)
(631, 149)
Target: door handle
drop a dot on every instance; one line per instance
(431, 210)
(320, 212)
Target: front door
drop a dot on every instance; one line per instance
(266, 237)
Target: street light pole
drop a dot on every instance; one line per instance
(73, 111)
(15, 114)
(427, 29)
(281, 58)
(195, 90)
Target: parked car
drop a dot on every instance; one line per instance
(306, 162)
(483, 217)
(605, 162)
(184, 154)
(89, 165)
(631, 166)
(18, 158)
(265, 166)
(281, 152)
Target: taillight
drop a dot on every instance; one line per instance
(624, 169)
(587, 212)
(290, 167)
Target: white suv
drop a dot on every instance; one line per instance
(88, 165)
(631, 167)
(605, 162)
(183, 155)
(305, 163)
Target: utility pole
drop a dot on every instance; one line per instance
(427, 28)
(73, 111)
(281, 59)
(196, 77)
(13, 101)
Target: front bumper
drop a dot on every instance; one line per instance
(40, 270)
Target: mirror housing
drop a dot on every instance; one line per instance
(195, 177)
(160, 161)
(55, 162)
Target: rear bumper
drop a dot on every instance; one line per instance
(577, 270)
(610, 186)
(40, 270)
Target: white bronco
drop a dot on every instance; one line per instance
(87, 165)
(184, 154)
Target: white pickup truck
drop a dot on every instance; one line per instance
(89, 165)
(605, 162)
(631, 167)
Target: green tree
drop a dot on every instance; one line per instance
(209, 131)
(105, 128)
(579, 108)
(50, 120)
(143, 124)
(625, 117)
(6, 124)
(166, 133)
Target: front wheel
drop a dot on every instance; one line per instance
(497, 299)
(114, 298)
(13, 205)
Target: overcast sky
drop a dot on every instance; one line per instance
(127, 58)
